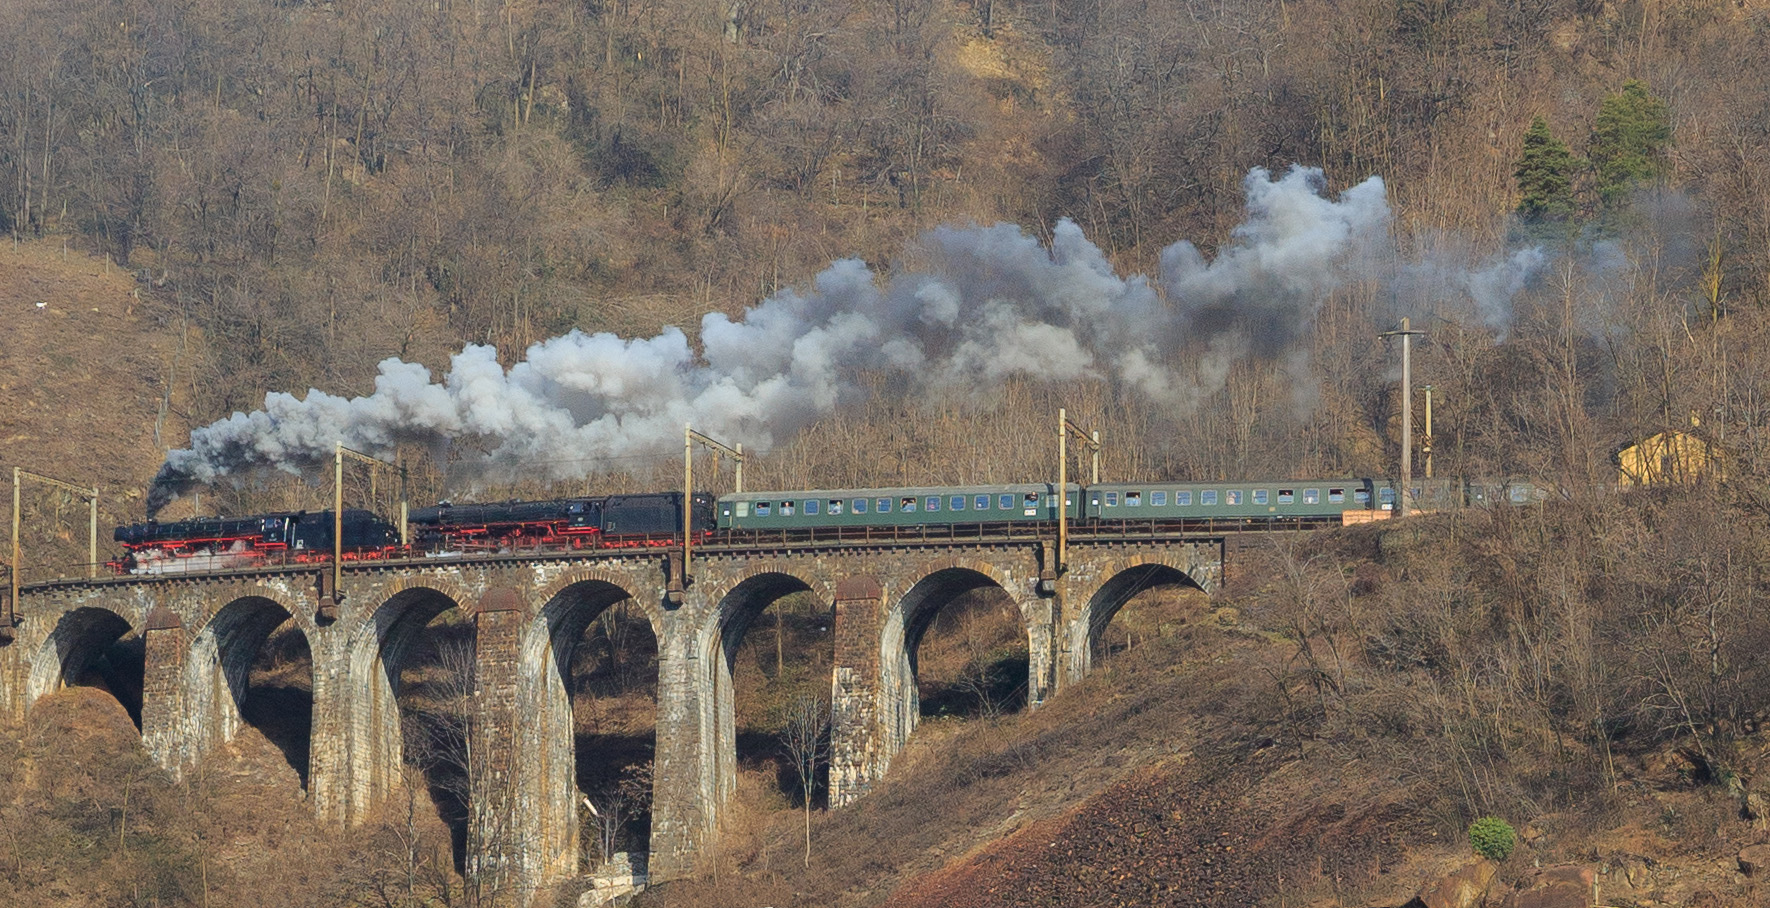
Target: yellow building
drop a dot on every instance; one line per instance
(1667, 458)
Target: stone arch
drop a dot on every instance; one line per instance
(218, 671)
(1124, 580)
(415, 584)
(79, 645)
(907, 619)
(589, 578)
(1024, 600)
(744, 596)
(377, 647)
(737, 603)
(546, 742)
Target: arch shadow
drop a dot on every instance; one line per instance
(907, 624)
(92, 647)
(230, 652)
(737, 611)
(1117, 592)
(589, 638)
(422, 682)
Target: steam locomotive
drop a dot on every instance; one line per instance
(609, 521)
(202, 544)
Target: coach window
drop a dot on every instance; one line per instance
(1112, 499)
(1158, 499)
(1182, 499)
(786, 509)
(956, 503)
(907, 505)
(811, 506)
(1233, 496)
(1005, 502)
(1312, 496)
(1286, 496)
(762, 508)
(835, 506)
(1361, 496)
(1133, 499)
(933, 503)
(882, 505)
(1336, 496)
(1207, 497)
(1259, 496)
(1387, 495)
(860, 505)
(980, 503)
(1030, 504)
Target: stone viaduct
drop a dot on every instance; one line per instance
(201, 633)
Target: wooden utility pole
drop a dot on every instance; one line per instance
(736, 452)
(9, 619)
(328, 610)
(1091, 439)
(1407, 334)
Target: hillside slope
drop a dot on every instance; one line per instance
(86, 393)
(1279, 751)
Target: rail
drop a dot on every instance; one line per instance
(745, 541)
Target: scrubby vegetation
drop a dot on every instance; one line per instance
(1492, 838)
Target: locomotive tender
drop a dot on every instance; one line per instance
(202, 544)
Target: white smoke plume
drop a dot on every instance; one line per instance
(1294, 249)
(987, 304)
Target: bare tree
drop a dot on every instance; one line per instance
(615, 809)
(806, 741)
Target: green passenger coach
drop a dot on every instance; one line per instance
(908, 506)
(1172, 500)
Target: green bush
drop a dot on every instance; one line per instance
(1492, 837)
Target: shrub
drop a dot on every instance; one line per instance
(1492, 837)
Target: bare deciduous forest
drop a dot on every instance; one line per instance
(314, 187)
(300, 190)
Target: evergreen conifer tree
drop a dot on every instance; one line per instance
(1629, 142)
(1545, 175)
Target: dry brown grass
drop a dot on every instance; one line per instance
(83, 378)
